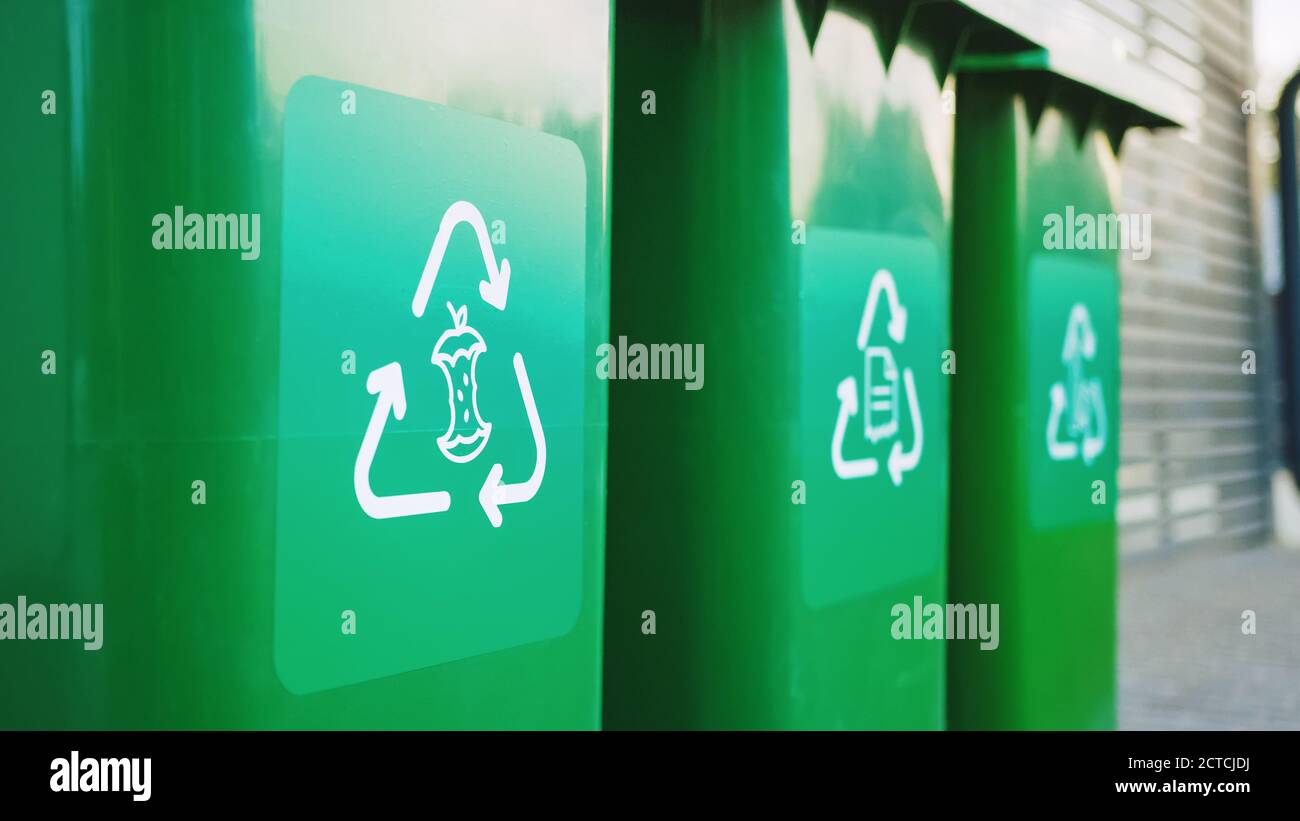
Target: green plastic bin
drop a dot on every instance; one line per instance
(1035, 402)
(283, 530)
(782, 195)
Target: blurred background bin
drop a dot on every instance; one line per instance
(168, 363)
(782, 193)
(1035, 406)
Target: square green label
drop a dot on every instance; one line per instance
(430, 459)
(1073, 390)
(874, 412)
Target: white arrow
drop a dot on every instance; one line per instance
(900, 462)
(494, 494)
(847, 391)
(387, 383)
(498, 282)
(1080, 344)
(1079, 338)
(1095, 443)
(883, 281)
(1056, 449)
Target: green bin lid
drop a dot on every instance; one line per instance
(1136, 94)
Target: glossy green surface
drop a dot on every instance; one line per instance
(168, 361)
(869, 434)
(770, 613)
(409, 546)
(1026, 532)
(38, 549)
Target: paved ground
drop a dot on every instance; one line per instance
(1183, 660)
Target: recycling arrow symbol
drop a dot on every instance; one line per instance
(386, 385)
(882, 387)
(1081, 396)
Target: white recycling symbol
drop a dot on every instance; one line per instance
(1086, 425)
(881, 394)
(456, 354)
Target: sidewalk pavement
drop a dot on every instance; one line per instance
(1183, 660)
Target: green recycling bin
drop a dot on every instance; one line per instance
(781, 208)
(1035, 400)
(307, 295)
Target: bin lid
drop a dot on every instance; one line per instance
(1147, 97)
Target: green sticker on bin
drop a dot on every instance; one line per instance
(1073, 390)
(874, 414)
(429, 501)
